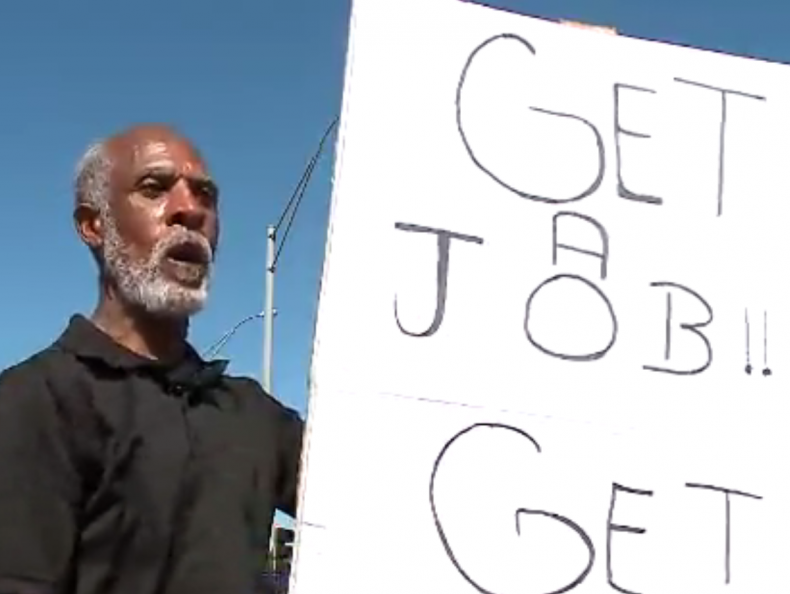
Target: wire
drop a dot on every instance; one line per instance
(291, 207)
(297, 190)
(281, 243)
(215, 348)
(296, 198)
(300, 187)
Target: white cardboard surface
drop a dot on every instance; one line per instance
(569, 422)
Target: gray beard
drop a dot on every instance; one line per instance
(143, 284)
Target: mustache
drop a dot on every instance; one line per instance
(181, 237)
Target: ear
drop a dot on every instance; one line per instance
(88, 223)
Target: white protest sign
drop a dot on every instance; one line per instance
(552, 342)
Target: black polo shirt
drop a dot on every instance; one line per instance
(121, 475)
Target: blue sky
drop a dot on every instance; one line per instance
(254, 84)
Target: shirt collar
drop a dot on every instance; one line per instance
(86, 341)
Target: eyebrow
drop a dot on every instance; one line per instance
(173, 174)
(167, 171)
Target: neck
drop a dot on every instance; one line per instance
(154, 337)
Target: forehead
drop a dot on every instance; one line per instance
(137, 153)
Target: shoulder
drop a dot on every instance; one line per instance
(254, 398)
(34, 372)
(28, 389)
(43, 369)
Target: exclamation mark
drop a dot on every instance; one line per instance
(766, 369)
(748, 347)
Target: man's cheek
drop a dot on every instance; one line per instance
(214, 237)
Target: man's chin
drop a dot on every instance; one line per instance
(182, 307)
(170, 299)
(166, 289)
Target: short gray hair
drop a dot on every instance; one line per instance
(92, 179)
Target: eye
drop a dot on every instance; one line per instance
(154, 186)
(206, 190)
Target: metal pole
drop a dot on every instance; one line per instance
(268, 312)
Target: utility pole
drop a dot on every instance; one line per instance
(273, 254)
(268, 310)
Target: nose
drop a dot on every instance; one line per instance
(185, 208)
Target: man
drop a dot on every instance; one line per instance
(127, 463)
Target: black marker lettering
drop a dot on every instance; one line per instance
(567, 356)
(487, 170)
(766, 369)
(442, 269)
(622, 190)
(603, 255)
(668, 329)
(475, 581)
(727, 518)
(748, 346)
(693, 328)
(722, 129)
(619, 528)
(578, 530)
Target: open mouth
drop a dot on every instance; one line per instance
(188, 253)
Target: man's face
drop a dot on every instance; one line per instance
(161, 225)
